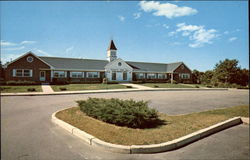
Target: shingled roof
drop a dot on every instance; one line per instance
(112, 46)
(98, 65)
(75, 63)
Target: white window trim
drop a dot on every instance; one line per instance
(65, 74)
(14, 73)
(163, 76)
(98, 75)
(76, 72)
(185, 76)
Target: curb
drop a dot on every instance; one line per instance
(111, 91)
(153, 148)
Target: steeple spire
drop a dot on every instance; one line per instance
(111, 51)
(112, 46)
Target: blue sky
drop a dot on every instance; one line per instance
(198, 33)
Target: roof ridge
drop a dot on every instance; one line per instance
(72, 58)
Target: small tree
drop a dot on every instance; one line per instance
(206, 77)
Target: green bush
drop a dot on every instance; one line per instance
(31, 89)
(63, 88)
(113, 82)
(129, 86)
(127, 113)
(17, 83)
(155, 86)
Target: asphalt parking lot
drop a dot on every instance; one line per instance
(28, 133)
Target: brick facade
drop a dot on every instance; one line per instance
(36, 65)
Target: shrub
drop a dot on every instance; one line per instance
(112, 82)
(129, 86)
(196, 86)
(138, 82)
(60, 81)
(17, 83)
(63, 88)
(155, 86)
(31, 89)
(127, 113)
(209, 86)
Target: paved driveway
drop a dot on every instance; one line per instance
(28, 133)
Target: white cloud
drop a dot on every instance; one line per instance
(5, 43)
(39, 51)
(28, 42)
(171, 33)
(165, 26)
(69, 49)
(232, 39)
(13, 49)
(166, 9)
(197, 34)
(202, 36)
(121, 18)
(137, 15)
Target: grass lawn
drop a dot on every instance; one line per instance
(166, 85)
(175, 126)
(78, 87)
(15, 89)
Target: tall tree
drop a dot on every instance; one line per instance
(226, 71)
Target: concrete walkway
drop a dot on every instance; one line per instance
(47, 89)
(135, 86)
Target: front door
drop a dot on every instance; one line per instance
(119, 76)
(42, 75)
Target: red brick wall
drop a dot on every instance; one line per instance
(180, 69)
(22, 63)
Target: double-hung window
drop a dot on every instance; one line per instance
(151, 76)
(185, 76)
(59, 74)
(140, 75)
(161, 76)
(76, 74)
(93, 74)
(22, 73)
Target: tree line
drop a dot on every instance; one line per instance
(226, 73)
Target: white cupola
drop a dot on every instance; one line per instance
(111, 51)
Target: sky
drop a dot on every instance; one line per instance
(198, 33)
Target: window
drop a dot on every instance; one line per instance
(76, 74)
(140, 75)
(93, 74)
(113, 75)
(125, 75)
(161, 76)
(22, 72)
(59, 74)
(119, 64)
(19, 73)
(184, 75)
(29, 59)
(26, 73)
(151, 76)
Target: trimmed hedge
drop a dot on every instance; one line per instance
(17, 83)
(127, 113)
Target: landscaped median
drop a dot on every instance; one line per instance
(176, 132)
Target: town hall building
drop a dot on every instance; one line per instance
(30, 67)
